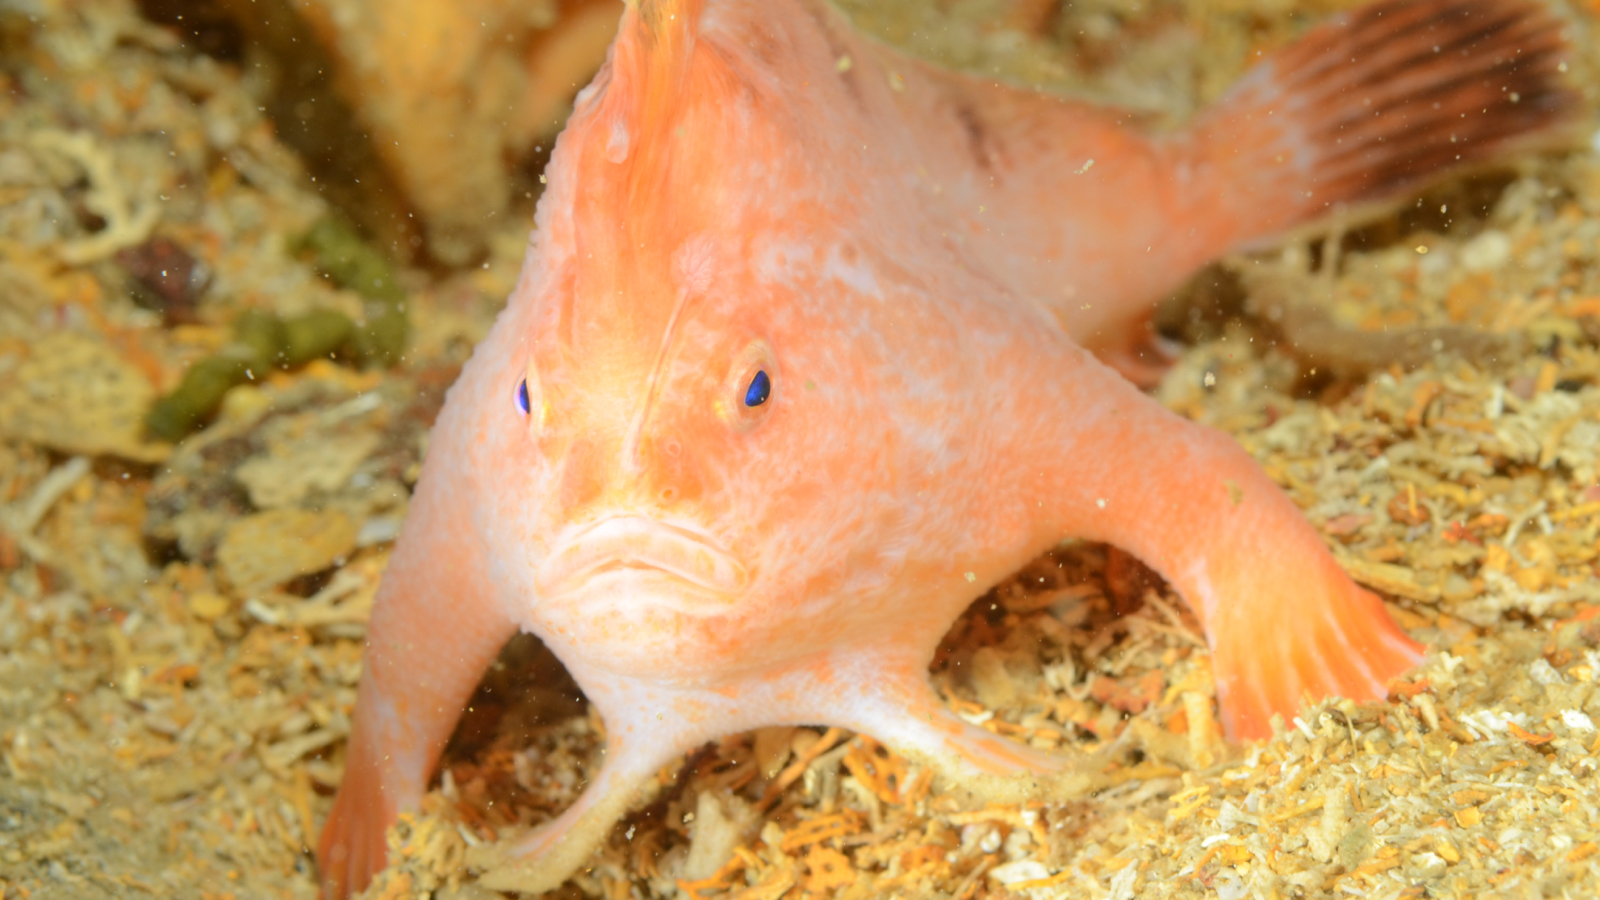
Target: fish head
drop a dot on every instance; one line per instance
(702, 381)
(647, 426)
(712, 476)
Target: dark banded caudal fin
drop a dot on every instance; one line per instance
(1379, 101)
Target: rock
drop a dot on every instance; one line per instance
(75, 394)
(722, 821)
(1487, 252)
(209, 607)
(994, 685)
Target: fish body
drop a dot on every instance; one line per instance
(814, 343)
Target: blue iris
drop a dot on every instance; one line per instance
(523, 404)
(760, 389)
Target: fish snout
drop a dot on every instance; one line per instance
(637, 547)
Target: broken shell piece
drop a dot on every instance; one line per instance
(267, 549)
(289, 472)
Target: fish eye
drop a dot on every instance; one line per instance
(524, 404)
(759, 390)
(530, 401)
(746, 397)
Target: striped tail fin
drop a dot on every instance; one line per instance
(1377, 102)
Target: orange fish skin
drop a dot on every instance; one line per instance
(729, 199)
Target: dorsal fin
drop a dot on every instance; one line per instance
(669, 23)
(639, 129)
(654, 48)
(631, 138)
(643, 172)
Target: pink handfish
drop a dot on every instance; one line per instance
(815, 343)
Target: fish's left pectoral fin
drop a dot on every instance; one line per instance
(1284, 643)
(1283, 620)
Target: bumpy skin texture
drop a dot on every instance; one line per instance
(917, 260)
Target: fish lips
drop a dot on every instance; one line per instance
(638, 548)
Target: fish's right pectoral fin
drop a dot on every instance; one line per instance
(353, 845)
(436, 625)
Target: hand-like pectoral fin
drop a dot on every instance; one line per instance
(436, 626)
(1283, 620)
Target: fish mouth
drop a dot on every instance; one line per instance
(624, 544)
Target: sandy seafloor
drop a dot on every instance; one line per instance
(181, 626)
